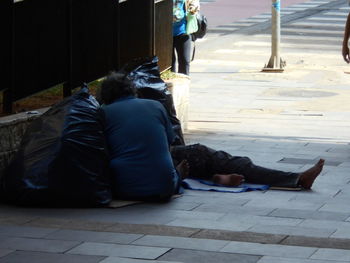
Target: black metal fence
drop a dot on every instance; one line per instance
(51, 42)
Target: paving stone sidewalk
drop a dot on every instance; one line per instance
(283, 121)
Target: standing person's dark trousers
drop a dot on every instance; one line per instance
(182, 47)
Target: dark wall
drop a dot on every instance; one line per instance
(39, 40)
(94, 38)
(136, 29)
(50, 42)
(6, 39)
(163, 32)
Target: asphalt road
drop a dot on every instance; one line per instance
(220, 12)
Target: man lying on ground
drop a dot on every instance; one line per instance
(223, 168)
(139, 135)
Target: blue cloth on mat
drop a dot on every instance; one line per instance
(203, 185)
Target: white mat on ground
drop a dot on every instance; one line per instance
(203, 185)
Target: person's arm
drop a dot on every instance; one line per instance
(345, 49)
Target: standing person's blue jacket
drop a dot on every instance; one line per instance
(179, 17)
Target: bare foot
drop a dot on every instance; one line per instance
(183, 168)
(308, 177)
(228, 179)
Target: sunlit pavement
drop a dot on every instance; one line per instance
(280, 120)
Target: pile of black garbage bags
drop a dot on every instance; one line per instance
(63, 157)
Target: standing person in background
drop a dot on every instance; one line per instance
(181, 40)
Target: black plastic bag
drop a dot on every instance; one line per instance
(145, 76)
(62, 159)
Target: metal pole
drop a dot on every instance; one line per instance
(275, 63)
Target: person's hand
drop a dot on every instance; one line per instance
(345, 52)
(192, 9)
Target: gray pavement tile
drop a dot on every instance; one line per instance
(267, 259)
(342, 149)
(342, 195)
(153, 230)
(323, 189)
(3, 237)
(185, 215)
(336, 179)
(25, 231)
(93, 236)
(340, 200)
(39, 257)
(332, 157)
(272, 195)
(181, 242)
(328, 156)
(212, 224)
(132, 209)
(332, 254)
(223, 208)
(49, 222)
(338, 208)
(292, 204)
(342, 233)
(338, 243)
(131, 251)
(333, 161)
(345, 164)
(325, 224)
(304, 214)
(240, 236)
(4, 252)
(290, 230)
(129, 217)
(15, 220)
(132, 260)
(191, 256)
(212, 198)
(39, 212)
(268, 249)
(179, 204)
(78, 224)
(261, 220)
(176, 204)
(250, 195)
(41, 245)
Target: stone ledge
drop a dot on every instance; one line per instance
(179, 87)
(12, 129)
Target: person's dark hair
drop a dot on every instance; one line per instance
(115, 86)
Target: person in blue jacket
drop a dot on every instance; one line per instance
(181, 40)
(138, 133)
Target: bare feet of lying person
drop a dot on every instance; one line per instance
(308, 177)
(228, 179)
(183, 169)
